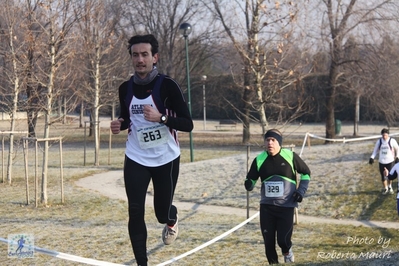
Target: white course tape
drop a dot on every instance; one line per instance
(74, 258)
(210, 242)
(65, 256)
(351, 139)
(343, 140)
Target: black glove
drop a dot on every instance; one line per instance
(297, 196)
(371, 161)
(249, 185)
(396, 160)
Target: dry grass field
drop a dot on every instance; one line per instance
(93, 226)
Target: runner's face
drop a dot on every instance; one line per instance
(272, 146)
(385, 136)
(143, 59)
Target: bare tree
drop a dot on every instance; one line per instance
(33, 88)
(344, 17)
(357, 81)
(97, 31)
(12, 22)
(58, 21)
(383, 93)
(162, 18)
(259, 31)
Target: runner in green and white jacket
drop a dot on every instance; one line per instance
(280, 194)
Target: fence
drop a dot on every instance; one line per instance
(3, 134)
(36, 181)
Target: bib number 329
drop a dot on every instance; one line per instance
(274, 189)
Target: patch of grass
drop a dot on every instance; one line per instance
(93, 226)
(360, 198)
(346, 186)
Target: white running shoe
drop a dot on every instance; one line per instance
(384, 191)
(390, 190)
(169, 234)
(289, 257)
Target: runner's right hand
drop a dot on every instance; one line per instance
(249, 185)
(116, 126)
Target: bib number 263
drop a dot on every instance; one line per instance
(151, 135)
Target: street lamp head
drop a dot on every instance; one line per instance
(185, 29)
(203, 78)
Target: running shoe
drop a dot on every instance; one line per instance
(169, 234)
(384, 191)
(390, 190)
(289, 257)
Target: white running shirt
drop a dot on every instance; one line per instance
(386, 154)
(149, 143)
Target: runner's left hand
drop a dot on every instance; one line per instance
(297, 196)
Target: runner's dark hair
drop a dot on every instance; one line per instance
(148, 38)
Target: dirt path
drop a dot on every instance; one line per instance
(110, 184)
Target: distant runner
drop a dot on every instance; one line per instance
(387, 148)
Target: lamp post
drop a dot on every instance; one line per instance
(203, 78)
(185, 30)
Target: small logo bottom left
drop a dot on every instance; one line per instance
(20, 246)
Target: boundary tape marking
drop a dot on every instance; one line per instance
(343, 140)
(74, 258)
(65, 256)
(210, 242)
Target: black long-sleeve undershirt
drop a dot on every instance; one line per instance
(172, 97)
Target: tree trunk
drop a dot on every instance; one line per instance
(43, 196)
(246, 134)
(337, 24)
(332, 89)
(330, 119)
(357, 116)
(246, 98)
(32, 111)
(330, 108)
(64, 113)
(59, 107)
(96, 106)
(91, 124)
(261, 109)
(81, 114)
(32, 120)
(14, 108)
(47, 116)
(12, 128)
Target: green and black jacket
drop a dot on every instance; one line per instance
(279, 172)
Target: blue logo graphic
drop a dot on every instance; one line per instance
(20, 246)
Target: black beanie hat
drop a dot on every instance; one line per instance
(274, 134)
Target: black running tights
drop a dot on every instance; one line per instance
(137, 178)
(274, 221)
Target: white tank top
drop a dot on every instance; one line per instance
(149, 143)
